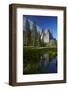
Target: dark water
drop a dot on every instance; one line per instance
(39, 62)
(48, 64)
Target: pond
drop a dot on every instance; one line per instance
(39, 61)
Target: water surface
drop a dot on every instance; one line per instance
(39, 61)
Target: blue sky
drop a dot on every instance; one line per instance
(43, 22)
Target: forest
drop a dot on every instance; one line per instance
(32, 37)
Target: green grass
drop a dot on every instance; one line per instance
(36, 51)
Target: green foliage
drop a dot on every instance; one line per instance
(38, 41)
(27, 33)
(31, 58)
(52, 43)
(34, 35)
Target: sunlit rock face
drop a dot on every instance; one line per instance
(46, 36)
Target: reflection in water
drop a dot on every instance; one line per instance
(39, 62)
(47, 64)
(44, 59)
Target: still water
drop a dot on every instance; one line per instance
(39, 63)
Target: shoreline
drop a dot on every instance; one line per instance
(37, 47)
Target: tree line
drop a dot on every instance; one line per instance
(31, 37)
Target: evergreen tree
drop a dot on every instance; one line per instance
(28, 32)
(38, 39)
(42, 40)
(24, 37)
(34, 35)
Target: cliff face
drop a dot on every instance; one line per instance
(46, 36)
(38, 36)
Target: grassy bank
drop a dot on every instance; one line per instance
(34, 51)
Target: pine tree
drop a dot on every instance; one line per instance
(28, 33)
(34, 35)
(24, 37)
(38, 39)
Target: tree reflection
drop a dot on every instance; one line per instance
(38, 62)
